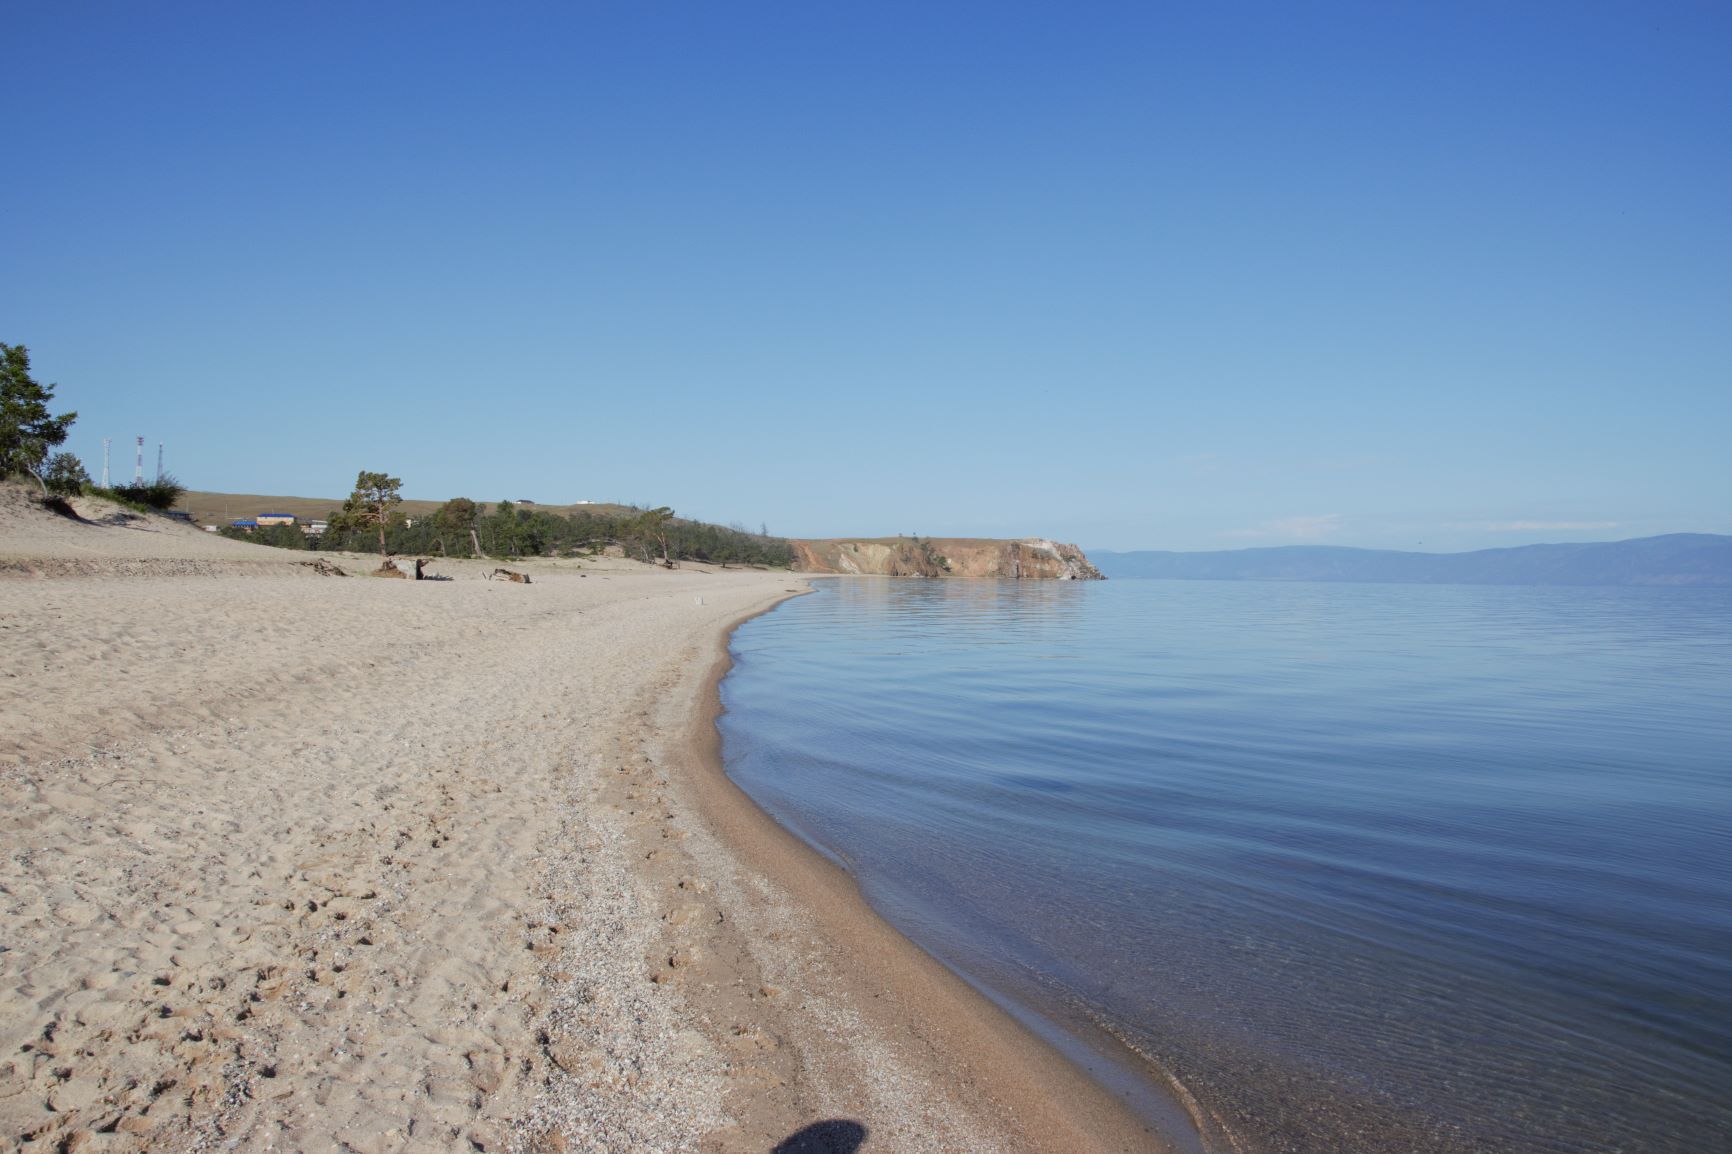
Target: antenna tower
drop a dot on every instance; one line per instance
(159, 462)
(138, 464)
(105, 442)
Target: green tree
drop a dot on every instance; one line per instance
(276, 536)
(65, 475)
(454, 521)
(513, 531)
(280, 536)
(373, 503)
(27, 432)
(650, 528)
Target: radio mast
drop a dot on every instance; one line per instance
(138, 464)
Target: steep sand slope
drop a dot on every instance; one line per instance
(35, 541)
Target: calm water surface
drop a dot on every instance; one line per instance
(1358, 867)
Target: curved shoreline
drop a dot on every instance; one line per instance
(996, 1063)
(457, 865)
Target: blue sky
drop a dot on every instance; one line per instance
(1138, 276)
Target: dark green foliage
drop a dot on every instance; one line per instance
(279, 536)
(648, 532)
(160, 494)
(932, 556)
(701, 542)
(65, 475)
(372, 507)
(445, 533)
(117, 497)
(510, 530)
(27, 432)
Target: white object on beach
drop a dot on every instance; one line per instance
(698, 600)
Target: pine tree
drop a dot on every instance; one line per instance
(374, 502)
(27, 432)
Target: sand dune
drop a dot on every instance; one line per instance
(35, 541)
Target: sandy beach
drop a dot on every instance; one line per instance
(295, 862)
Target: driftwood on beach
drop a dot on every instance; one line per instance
(390, 568)
(509, 575)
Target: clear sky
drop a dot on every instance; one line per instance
(1135, 275)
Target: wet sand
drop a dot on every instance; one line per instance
(299, 862)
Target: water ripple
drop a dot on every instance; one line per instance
(1364, 868)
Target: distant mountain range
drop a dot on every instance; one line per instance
(1673, 559)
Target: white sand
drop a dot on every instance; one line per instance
(306, 863)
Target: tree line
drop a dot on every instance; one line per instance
(371, 521)
(371, 517)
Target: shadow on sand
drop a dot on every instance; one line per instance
(837, 1136)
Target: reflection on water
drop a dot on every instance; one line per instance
(1363, 867)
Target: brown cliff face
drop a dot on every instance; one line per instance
(1027, 558)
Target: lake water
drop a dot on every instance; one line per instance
(1355, 867)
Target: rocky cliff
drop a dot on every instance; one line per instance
(1030, 557)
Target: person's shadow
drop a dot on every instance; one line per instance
(837, 1136)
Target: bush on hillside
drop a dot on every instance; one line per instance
(117, 497)
(160, 494)
(64, 475)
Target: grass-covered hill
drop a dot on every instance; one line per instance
(222, 508)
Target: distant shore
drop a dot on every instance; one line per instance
(296, 859)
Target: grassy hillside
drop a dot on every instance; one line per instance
(221, 508)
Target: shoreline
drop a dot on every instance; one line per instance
(1005, 1065)
(298, 863)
